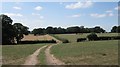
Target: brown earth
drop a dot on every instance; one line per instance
(31, 37)
(32, 59)
(50, 59)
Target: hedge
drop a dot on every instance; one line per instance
(37, 41)
(100, 38)
(81, 39)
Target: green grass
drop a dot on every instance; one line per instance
(16, 54)
(91, 53)
(73, 37)
(41, 57)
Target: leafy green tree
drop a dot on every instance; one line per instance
(38, 31)
(20, 31)
(8, 31)
(49, 30)
(92, 36)
(114, 29)
(97, 29)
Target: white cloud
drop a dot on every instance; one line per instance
(38, 8)
(110, 14)
(13, 14)
(98, 15)
(108, 11)
(17, 8)
(117, 8)
(75, 16)
(79, 5)
(35, 14)
(41, 17)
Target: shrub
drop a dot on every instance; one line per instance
(116, 37)
(92, 36)
(37, 41)
(104, 38)
(81, 39)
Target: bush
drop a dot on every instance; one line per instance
(92, 36)
(116, 37)
(104, 38)
(64, 41)
(81, 39)
(37, 41)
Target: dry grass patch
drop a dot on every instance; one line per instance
(31, 37)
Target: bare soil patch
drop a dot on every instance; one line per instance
(32, 59)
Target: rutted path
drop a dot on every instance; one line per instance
(32, 59)
(50, 59)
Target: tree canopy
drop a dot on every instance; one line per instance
(115, 29)
(69, 30)
(11, 32)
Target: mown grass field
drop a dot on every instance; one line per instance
(73, 37)
(16, 54)
(88, 53)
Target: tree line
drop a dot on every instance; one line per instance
(15, 32)
(74, 29)
(69, 30)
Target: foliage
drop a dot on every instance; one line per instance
(115, 29)
(69, 30)
(20, 30)
(81, 39)
(37, 41)
(92, 36)
(8, 31)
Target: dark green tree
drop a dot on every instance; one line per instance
(114, 29)
(20, 31)
(92, 36)
(8, 31)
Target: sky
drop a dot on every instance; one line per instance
(63, 14)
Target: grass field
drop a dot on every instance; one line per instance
(16, 54)
(73, 37)
(90, 53)
(41, 57)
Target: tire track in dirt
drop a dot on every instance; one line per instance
(50, 59)
(32, 59)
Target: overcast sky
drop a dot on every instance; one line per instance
(63, 14)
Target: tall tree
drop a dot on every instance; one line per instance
(20, 31)
(114, 29)
(8, 31)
